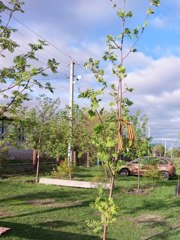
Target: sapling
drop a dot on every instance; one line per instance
(114, 135)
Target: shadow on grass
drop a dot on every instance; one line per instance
(62, 194)
(49, 210)
(25, 231)
(82, 177)
(154, 205)
(144, 180)
(165, 235)
(56, 224)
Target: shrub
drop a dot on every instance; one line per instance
(63, 170)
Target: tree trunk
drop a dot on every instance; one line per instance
(87, 159)
(112, 186)
(57, 160)
(74, 158)
(37, 168)
(34, 160)
(138, 189)
(110, 196)
(104, 232)
(178, 187)
(70, 173)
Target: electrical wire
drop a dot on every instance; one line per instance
(50, 43)
(37, 34)
(53, 45)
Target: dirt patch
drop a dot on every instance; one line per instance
(150, 218)
(70, 204)
(31, 181)
(136, 191)
(53, 224)
(4, 213)
(43, 202)
(53, 203)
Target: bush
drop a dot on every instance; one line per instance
(63, 170)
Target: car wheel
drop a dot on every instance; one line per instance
(124, 172)
(165, 175)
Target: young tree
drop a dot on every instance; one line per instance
(21, 76)
(141, 146)
(110, 132)
(83, 135)
(37, 125)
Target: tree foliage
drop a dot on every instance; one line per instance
(21, 75)
(141, 146)
(158, 150)
(173, 152)
(43, 128)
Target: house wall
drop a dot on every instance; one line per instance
(20, 154)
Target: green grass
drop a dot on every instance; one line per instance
(37, 212)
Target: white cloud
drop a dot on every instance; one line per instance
(92, 11)
(169, 99)
(157, 94)
(137, 61)
(161, 75)
(159, 22)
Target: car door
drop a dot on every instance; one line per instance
(135, 167)
(144, 166)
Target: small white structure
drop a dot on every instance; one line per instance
(72, 183)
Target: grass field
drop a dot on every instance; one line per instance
(37, 212)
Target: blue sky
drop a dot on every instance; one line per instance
(78, 28)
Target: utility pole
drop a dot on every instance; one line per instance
(71, 103)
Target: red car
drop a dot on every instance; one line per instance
(141, 166)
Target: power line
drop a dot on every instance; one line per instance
(51, 44)
(37, 34)
(38, 55)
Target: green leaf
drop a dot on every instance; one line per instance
(121, 69)
(127, 31)
(134, 50)
(109, 38)
(92, 113)
(150, 11)
(121, 13)
(53, 65)
(111, 104)
(155, 3)
(129, 14)
(99, 128)
(145, 24)
(135, 31)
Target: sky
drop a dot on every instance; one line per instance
(77, 29)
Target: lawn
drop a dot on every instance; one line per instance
(36, 212)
